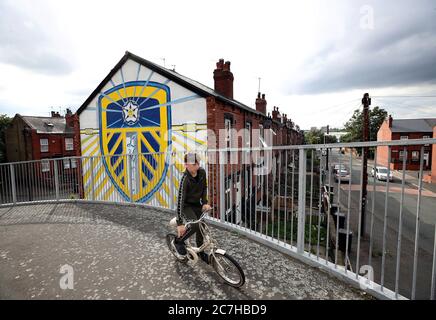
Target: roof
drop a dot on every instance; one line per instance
(413, 125)
(186, 82)
(43, 124)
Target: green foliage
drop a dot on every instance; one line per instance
(279, 228)
(354, 126)
(316, 136)
(4, 123)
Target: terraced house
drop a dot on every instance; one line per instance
(141, 110)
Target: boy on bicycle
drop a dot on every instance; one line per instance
(192, 201)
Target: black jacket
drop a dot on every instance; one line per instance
(192, 192)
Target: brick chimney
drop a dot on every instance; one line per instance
(69, 118)
(275, 113)
(390, 121)
(223, 78)
(261, 103)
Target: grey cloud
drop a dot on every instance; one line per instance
(400, 51)
(29, 42)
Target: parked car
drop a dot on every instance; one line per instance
(343, 173)
(381, 173)
(337, 166)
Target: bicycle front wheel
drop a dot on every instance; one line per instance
(228, 269)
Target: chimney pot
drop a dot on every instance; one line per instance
(261, 103)
(390, 121)
(223, 79)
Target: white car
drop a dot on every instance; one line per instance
(381, 173)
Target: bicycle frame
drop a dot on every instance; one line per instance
(208, 241)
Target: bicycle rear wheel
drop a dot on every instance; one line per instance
(170, 238)
(228, 269)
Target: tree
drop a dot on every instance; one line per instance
(316, 136)
(4, 123)
(354, 126)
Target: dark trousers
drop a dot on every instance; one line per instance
(192, 213)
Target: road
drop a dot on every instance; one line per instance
(392, 214)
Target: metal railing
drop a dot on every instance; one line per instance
(289, 198)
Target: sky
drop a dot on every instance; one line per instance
(315, 59)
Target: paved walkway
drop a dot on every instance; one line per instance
(119, 252)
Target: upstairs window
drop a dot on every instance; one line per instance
(228, 127)
(69, 144)
(44, 145)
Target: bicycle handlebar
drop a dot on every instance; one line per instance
(203, 215)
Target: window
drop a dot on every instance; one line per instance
(262, 142)
(402, 155)
(426, 137)
(44, 145)
(69, 144)
(404, 137)
(73, 163)
(415, 155)
(228, 127)
(66, 163)
(248, 135)
(45, 166)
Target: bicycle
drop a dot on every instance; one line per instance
(223, 264)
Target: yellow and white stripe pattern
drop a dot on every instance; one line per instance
(98, 185)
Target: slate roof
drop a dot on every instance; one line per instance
(42, 124)
(413, 125)
(195, 86)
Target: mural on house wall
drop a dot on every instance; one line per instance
(133, 122)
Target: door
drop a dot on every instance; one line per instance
(426, 159)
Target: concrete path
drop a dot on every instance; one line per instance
(119, 252)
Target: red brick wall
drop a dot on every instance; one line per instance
(216, 113)
(383, 134)
(56, 145)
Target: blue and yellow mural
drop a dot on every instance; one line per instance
(133, 122)
(135, 118)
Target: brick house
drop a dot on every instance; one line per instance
(39, 138)
(399, 129)
(139, 102)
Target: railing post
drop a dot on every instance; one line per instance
(129, 174)
(301, 200)
(172, 186)
(13, 186)
(55, 168)
(222, 158)
(92, 180)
